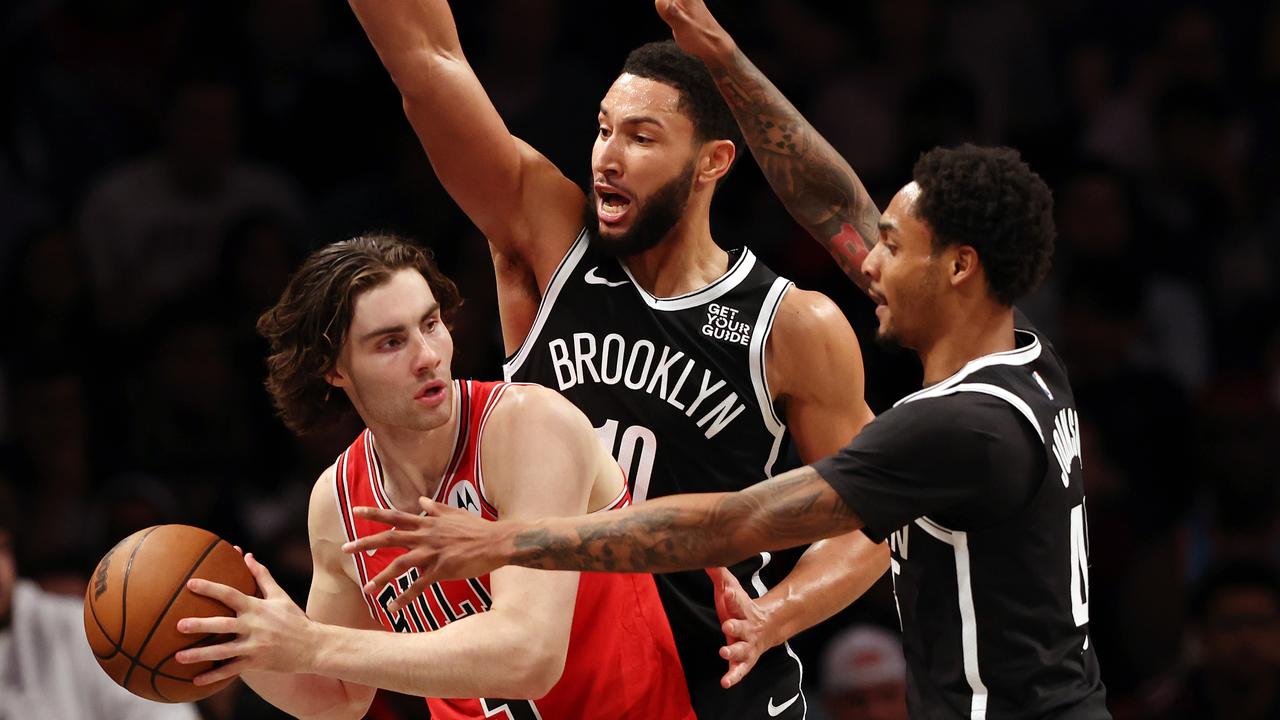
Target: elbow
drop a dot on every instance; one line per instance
(418, 75)
(536, 673)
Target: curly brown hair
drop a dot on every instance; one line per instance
(307, 327)
(988, 198)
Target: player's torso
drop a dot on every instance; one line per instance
(677, 390)
(674, 385)
(610, 659)
(996, 616)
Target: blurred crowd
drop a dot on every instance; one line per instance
(165, 165)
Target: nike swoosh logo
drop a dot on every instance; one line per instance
(593, 279)
(370, 551)
(776, 710)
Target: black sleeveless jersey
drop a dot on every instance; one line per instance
(677, 390)
(977, 481)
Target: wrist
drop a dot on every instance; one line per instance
(317, 641)
(774, 624)
(719, 49)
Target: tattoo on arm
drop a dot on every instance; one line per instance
(815, 184)
(686, 532)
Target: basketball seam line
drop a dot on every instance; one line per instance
(172, 599)
(124, 595)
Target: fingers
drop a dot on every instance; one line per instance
(735, 675)
(210, 653)
(393, 570)
(411, 593)
(386, 538)
(221, 673)
(210, 625)
(260, 573)
(224, 594)
(394, 518)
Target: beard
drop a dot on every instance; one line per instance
(653, 221)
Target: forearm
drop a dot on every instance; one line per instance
(485, 655)
(404, 32)
(685, 532)
(815, 184)
(312, 697)
(829, 576)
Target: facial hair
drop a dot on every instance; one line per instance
(653, 221)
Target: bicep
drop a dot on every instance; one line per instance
(520, 201)
(539, 602)
(816, 362)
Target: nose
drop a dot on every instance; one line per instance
(871, 265)
(608, 157)
(427, 358)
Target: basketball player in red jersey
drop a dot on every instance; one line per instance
(640, 286)
(366, 316)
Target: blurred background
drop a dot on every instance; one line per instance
(164, 165)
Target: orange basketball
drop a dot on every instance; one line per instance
(138, 594)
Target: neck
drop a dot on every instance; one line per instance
(687, 258)
(414, 461)
(971, 333)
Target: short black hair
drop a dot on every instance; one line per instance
(988, 198)
(700, 99)
(1231, 575)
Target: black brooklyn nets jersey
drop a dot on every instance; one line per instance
(677, 391)
(978, 484)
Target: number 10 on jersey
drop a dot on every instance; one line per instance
(634, 451)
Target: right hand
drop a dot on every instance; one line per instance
(695, 30)
(445, 543)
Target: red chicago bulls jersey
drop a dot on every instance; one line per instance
(622, 661)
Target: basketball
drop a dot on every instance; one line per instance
(136, 597)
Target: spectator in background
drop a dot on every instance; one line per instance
(864, 675)
(1233, 671)
(46, 667)
(152, 229)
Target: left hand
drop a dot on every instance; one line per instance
(444, 544)
(694, 28)
(272, 632)
(745, 624)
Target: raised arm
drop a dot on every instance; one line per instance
(815, 184)
(525, 207)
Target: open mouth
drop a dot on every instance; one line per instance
(611, 205)
(432, 392)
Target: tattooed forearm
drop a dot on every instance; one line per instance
(685, 532)
(815, 184)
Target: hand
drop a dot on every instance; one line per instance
(446, 544)
(745, 625)
(272, 632)
(695, 30)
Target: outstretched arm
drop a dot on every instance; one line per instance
(677, 532)
(525, 207)
(817, 186)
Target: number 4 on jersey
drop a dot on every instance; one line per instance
(1079, 567)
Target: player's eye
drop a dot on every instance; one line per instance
(604, 132)
(390, 343)
(643, 139)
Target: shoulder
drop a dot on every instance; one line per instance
(323, 516)
(808, 314)
(812, 346)
(974, 419)
(534, 411)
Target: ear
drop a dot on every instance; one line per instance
(717, 158)
(336, 377)
(963, 265)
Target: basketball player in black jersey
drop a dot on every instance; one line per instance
(977, 478)
(696, 365)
